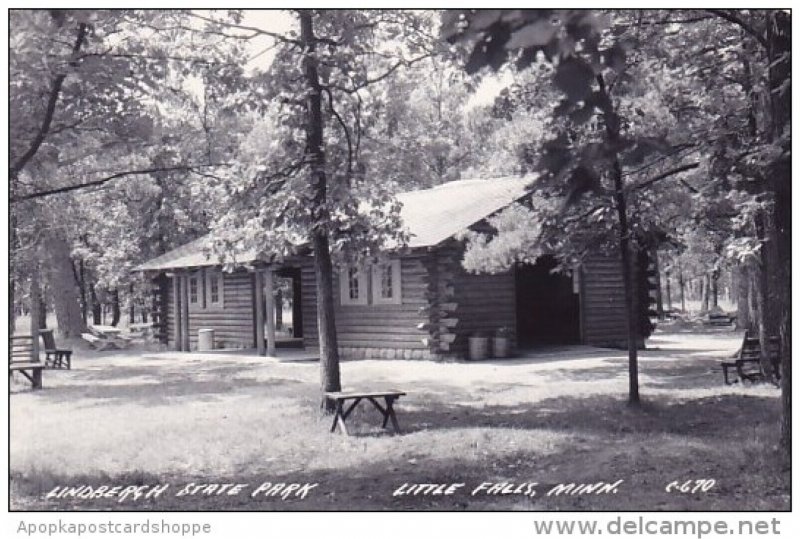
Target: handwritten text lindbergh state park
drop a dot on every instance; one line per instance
(286, 491)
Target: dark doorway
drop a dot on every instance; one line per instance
(548, 308)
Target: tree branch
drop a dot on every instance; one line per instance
(735, 19)
(664, 175)
(101, 181)
(254, 29)
(52, 100)
(346, 132)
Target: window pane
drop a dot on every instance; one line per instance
(193, 289)
(386, 281)
(352, 281)
(215, 288)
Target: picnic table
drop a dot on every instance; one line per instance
(141, 329)
(105, 337)
(342, 413)
(108, 331)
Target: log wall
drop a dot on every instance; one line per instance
(603, 320)
(379, 331)
(485, 303)
(232, 322)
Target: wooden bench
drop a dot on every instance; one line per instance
(54, 357)
(22, 360)
(387, 410)
(747, 365)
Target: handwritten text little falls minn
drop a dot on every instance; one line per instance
(507, 489)
(121, 493)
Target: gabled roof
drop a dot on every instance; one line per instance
(190, 255)
(434, 215)
(430, 216)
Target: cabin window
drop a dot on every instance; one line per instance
(193, 297)
(353, 286)
(386, 286)
(214, 287)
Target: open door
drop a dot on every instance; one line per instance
(548, 306)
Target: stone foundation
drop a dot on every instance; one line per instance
(353, 352)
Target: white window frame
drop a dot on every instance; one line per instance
(211, 275)
(344, 286)
(396, 297)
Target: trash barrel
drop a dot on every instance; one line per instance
(478, 347)
(205, 339)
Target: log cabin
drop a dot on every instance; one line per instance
(417, 304)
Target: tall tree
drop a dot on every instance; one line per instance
(302, 172)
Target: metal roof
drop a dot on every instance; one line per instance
(430, 216)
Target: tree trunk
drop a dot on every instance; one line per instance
(767, 302)
(82, 284)
(612, 129)
(682, 286)
(131, 305)
(744, 313)
(35, 305)
(12, 308)
(43, 308)
(97, 308)
(779, 40)
(715, 289)
(669, 291)
(116, 312)
(323, 266)
(659, 296)
(65, 295)
(13, 260)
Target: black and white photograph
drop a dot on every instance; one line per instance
(401, 260)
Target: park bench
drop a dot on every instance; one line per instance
(387, 410)
(747, 364)
(54, 357)
(22, 360)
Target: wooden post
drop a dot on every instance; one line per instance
(297, 304)
(185, 312)
(259, 306)
(270, 296)
(177, 319)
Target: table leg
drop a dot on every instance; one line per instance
(351, 407)
(336, 415)
(390, 414)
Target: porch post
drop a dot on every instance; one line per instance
(177, 319)
(259, 306)
(269, 293)
(185, 313)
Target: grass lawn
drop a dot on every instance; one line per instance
(139, 418)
